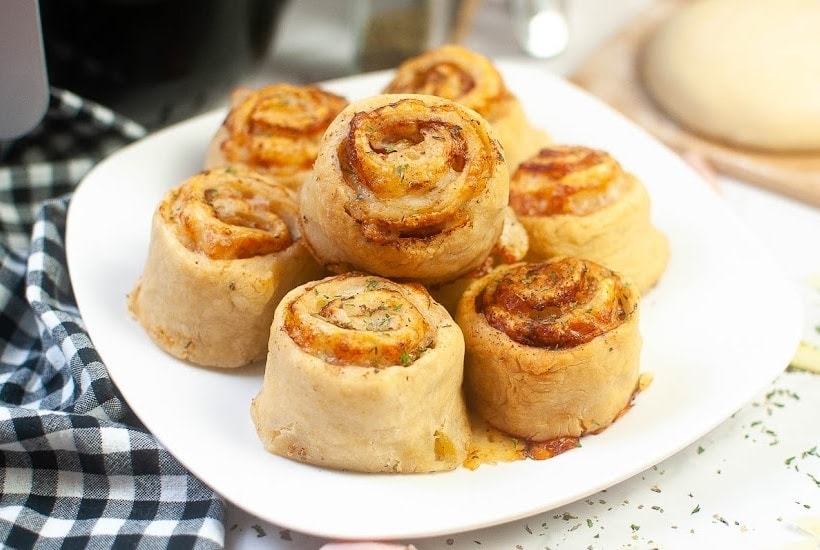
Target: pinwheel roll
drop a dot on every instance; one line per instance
(552, 348)
(364, 374)
(408, 187)
(275, 130)
(464, 76)
(579, 201)
(225, 247)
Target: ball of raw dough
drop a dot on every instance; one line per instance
(745, 72)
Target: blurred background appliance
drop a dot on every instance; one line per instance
(23, 83)
(155, 61)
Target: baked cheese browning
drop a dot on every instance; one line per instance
(231, 214)
(413, 168)
(542, 450)
(278, 127)
(554, 305)
(360, 320)
(452, 72)
(567, 179)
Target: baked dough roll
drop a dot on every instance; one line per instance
(409, 187)
(462, 75)
(579, 201)
(552, 348)
(275, 129)
(364, 374)
(225, 247)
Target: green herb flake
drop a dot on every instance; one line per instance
(400, 170)
(695, 510)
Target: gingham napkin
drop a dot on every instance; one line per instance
(77, 469)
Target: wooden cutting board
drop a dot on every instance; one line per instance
(611, 73)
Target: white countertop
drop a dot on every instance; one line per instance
(748, 483)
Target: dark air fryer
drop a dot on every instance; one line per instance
(156, 61)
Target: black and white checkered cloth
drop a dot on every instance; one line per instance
(77, 469)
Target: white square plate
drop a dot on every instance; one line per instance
(722, 323)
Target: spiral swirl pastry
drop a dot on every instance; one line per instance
(580, 300)
(567, 180)
(225, 247)
(459, 74)
(575, 200)
(408, 187)
(364, 374)
(552, 348)
(360, 321)
(230, 214)
(275, 130)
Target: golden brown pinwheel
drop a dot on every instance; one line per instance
(471, 79)
(275, 130)
(579, 201)
(552, 348)
(409, 187)
(225, 247)
(364, 374)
